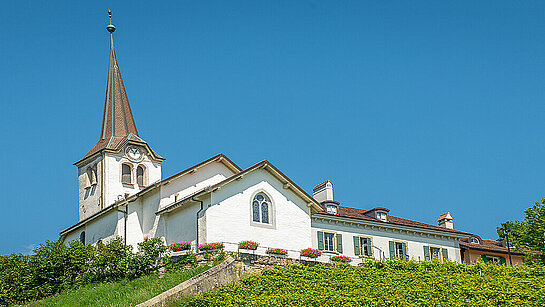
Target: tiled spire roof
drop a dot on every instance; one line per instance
(118, 120)
(118, 125)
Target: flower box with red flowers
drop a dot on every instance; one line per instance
(250, 245)
(311, 253)
(340, 259)
(180, 246)
(207, 247)
(277, 252)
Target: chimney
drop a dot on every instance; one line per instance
(323, 192)
(445, 221)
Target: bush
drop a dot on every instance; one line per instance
(180, 246)
(386, 283)
(311, 253)
(277, 251)
(251, 245)
(210, 246)
(55, 267)
(341, 259)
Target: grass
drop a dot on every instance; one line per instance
(122, 293)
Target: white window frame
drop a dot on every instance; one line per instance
(332, 209)
(362, 246)
(333, 241)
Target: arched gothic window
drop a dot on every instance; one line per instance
(140, 175)
(261, 208)
(126, 174)
(82, 237)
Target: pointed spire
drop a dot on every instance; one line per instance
(118, 125)
(118, 120)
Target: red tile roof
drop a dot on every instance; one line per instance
(488, 245)
(360, 215)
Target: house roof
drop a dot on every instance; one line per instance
(488, 246)
(266, 165)
(118, 126)
(360, 214)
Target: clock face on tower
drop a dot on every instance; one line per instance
(134, 153)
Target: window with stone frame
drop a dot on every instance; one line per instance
(126, 173)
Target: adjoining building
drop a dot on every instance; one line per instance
(122, 194)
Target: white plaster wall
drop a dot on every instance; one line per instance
(182, 224)
(381, 238)
(103, 228)
(187, 184)
(228, 218)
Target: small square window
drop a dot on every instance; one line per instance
(331, 209)
(381, 216)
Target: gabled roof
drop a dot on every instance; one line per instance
(265, 165)
(360, 214)
(118, 126)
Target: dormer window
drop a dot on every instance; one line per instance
(332, 209)
(380, 214)
(474, 240)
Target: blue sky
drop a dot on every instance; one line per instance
(420, 107)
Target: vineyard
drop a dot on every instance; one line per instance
(394, 283)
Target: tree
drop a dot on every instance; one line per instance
(528, 236)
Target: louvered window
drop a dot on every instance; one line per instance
(140, 175)
(126, 174)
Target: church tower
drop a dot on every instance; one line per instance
(120, 163)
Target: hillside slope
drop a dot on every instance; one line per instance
(395, 283)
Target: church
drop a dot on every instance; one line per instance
(122, 194)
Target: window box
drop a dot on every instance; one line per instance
(210, 247)
(340, 259)
(249, 245)
(277, 252)
(311, 253)
(180, 246)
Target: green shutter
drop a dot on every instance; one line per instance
(427, 253)
(369, 247)
(484, 258)
(445, 254)
(404, 248)
(339, 243)
(392, 249)
(320, 240)
(356, 245)
(502, 261)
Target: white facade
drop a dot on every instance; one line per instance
(212, 202)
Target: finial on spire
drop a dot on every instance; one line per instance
(110, 27)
